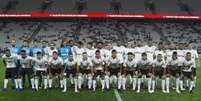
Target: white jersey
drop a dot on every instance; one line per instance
(150, 52)
(98, 63)
(173, 64)
(158, 65)
(181, 54)
(25, 62)
(130, 65)
(85, 63)
(114, 62)
(50, 52)
(145, 64)
(188, 65)
(10, 61)
(55, 63)
(168, 54)
(40, 64)
(70, 64)
(138, 52)
(90, 52)
(108, 54)
(78, 52)
(194, 54)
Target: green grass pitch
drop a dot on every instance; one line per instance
(57, 95)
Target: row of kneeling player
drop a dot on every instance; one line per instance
(113, 73)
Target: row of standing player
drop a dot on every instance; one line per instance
(120, 50)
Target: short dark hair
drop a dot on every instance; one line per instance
(23, 51)
(114, 51)
(130, 53)
(144, 54)
(97, 51)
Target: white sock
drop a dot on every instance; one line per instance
(149, 84)
(16, 84)
(177, 83)
(36, 84)
(50, 83)
(20, 83)
(139, 84)
(61, 83)
(103, 84)
(89, 82)
(167, 84)
(107, 81)
(163, 84)
(191, 85)
(187, 83)
(64, 84)
(94, 85)
(119, 82)
(181, 85)
(195, 79)
(134, 83)
(76, 86)
(5, 83)
(153, 84)
(33, 83)
(124, 83)
(79, 81)
(45, 83)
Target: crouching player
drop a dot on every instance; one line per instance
(55, 69)
(40, 65)
(85, 70)
(98, 72)
(173, 70)
(130, 70)
(11, 71)
(145, 72)
(70, 71)
(188, 68)
(159, 70)
(115, 69)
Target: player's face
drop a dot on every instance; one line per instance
(114, 54)
(129, 45)
(188, 56)
(130, 57)
(99, 46)
(174, 56)
(89, 46)
(8, 54)
(159, 57)
(55, 55)
(23, 54)
(84, 56)
(13, 42)
(39, 56)
(25, 44)
(138, 43)
(149, 43)
(144, 57)
(98, 54)
(71, 57)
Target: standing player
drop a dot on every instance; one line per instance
(150, 50)
(138, 50)
(130, 70)
(115, 69)
(173, 70)
(159, 70)
(55, 69)
(188, 68)
(119, 49)
(90, 51)
(11, 71)
(85, 70)
(40, 64)
(26, 68)
(70, 71)
(145, 69)
(98, 71)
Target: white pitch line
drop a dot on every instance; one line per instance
(118, 97)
